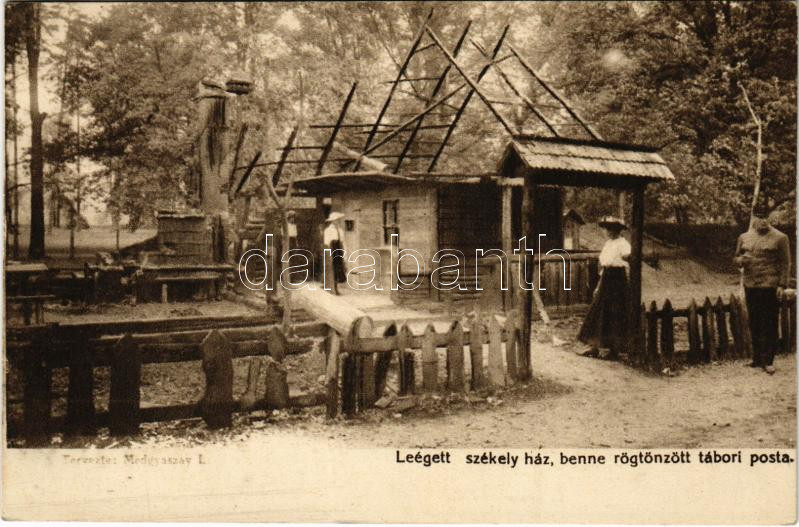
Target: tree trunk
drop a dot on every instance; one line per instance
(15, 194)
(32, 45)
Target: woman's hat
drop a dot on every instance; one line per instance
(610, 222)
(334, 216)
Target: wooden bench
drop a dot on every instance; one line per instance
(210, 279)
(32, 307)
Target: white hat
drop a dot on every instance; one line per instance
(611, 222)
(334, 216)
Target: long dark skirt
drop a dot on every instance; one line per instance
(607, 323)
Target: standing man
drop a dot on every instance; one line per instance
(764, 254)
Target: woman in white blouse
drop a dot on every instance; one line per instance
(605, 327)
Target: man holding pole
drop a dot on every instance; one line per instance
(764, 255)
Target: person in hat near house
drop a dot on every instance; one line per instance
(332, 241)
(763, 253)
(604, 329)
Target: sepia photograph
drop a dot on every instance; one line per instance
(400, 246)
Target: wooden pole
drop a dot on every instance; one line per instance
(336, 128)
(637, 242)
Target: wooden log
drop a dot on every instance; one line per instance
(277, 386)
(276, 344)
(709, 333)
(37, 396)
(511, 350)
(476, 341)
(251, 394)
(216, 405)
(721, 329)
(496, 368)
(455, 381)
(123, 404)
(429, 360)
(667, 333)
(80, 398)
(333, 345)
(694, 342)
(335, 311)
(652, 356)
(735, 328)
(348, 385)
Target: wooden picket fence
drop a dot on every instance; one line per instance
(125, 347)
(713, 330)
(357, 366)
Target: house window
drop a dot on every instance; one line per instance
(390, 221)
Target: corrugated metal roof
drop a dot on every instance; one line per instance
(600, 158)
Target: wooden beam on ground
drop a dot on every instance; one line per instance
(416, 40)
(436, 88)
(556, 95)
(465, 102)
(518, 93)
(336, 128)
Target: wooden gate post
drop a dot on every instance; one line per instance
(652, 356)
(80, 398)
(333, 343)
(476, 340)
(721, 329)
(123, 404)
(667, 333)
(217, 403)
(455, 381)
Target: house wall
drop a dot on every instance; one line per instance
(416, 218)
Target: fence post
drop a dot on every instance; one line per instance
(276, 344)
(251, 394)
(405, 359)
(476, 340)
(709, 336)
(496, 369)
(721, 328)
(277, 386)
(693, 333)
(216, 405)
(383, 362)
(348, 381)
(510, 349)
(366, 397)
(37, 392)
(333, 343)
(651, 319)
(667, 333)
(455, 358)
(80, 397)
(123, 404)
(429, 360)
(735, 328)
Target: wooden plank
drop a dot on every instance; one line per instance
(652, 357)
(476, 341)
(721, 329)
(709, 336)
(80, 397)
(667, 333)
(216, 404)
(37, 396)
(406, 374)
(276, 383)
(735, 328)
(276, 344)
(333, 344)
(430, 360)
(511, 350)
(366, 397)
(251, 394)
(123, 404)
(348, 385)
(496, 367)
(455, 376)
(694, 340)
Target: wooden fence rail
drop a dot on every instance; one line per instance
(714, 331)
(491, 346)
(36, 351)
